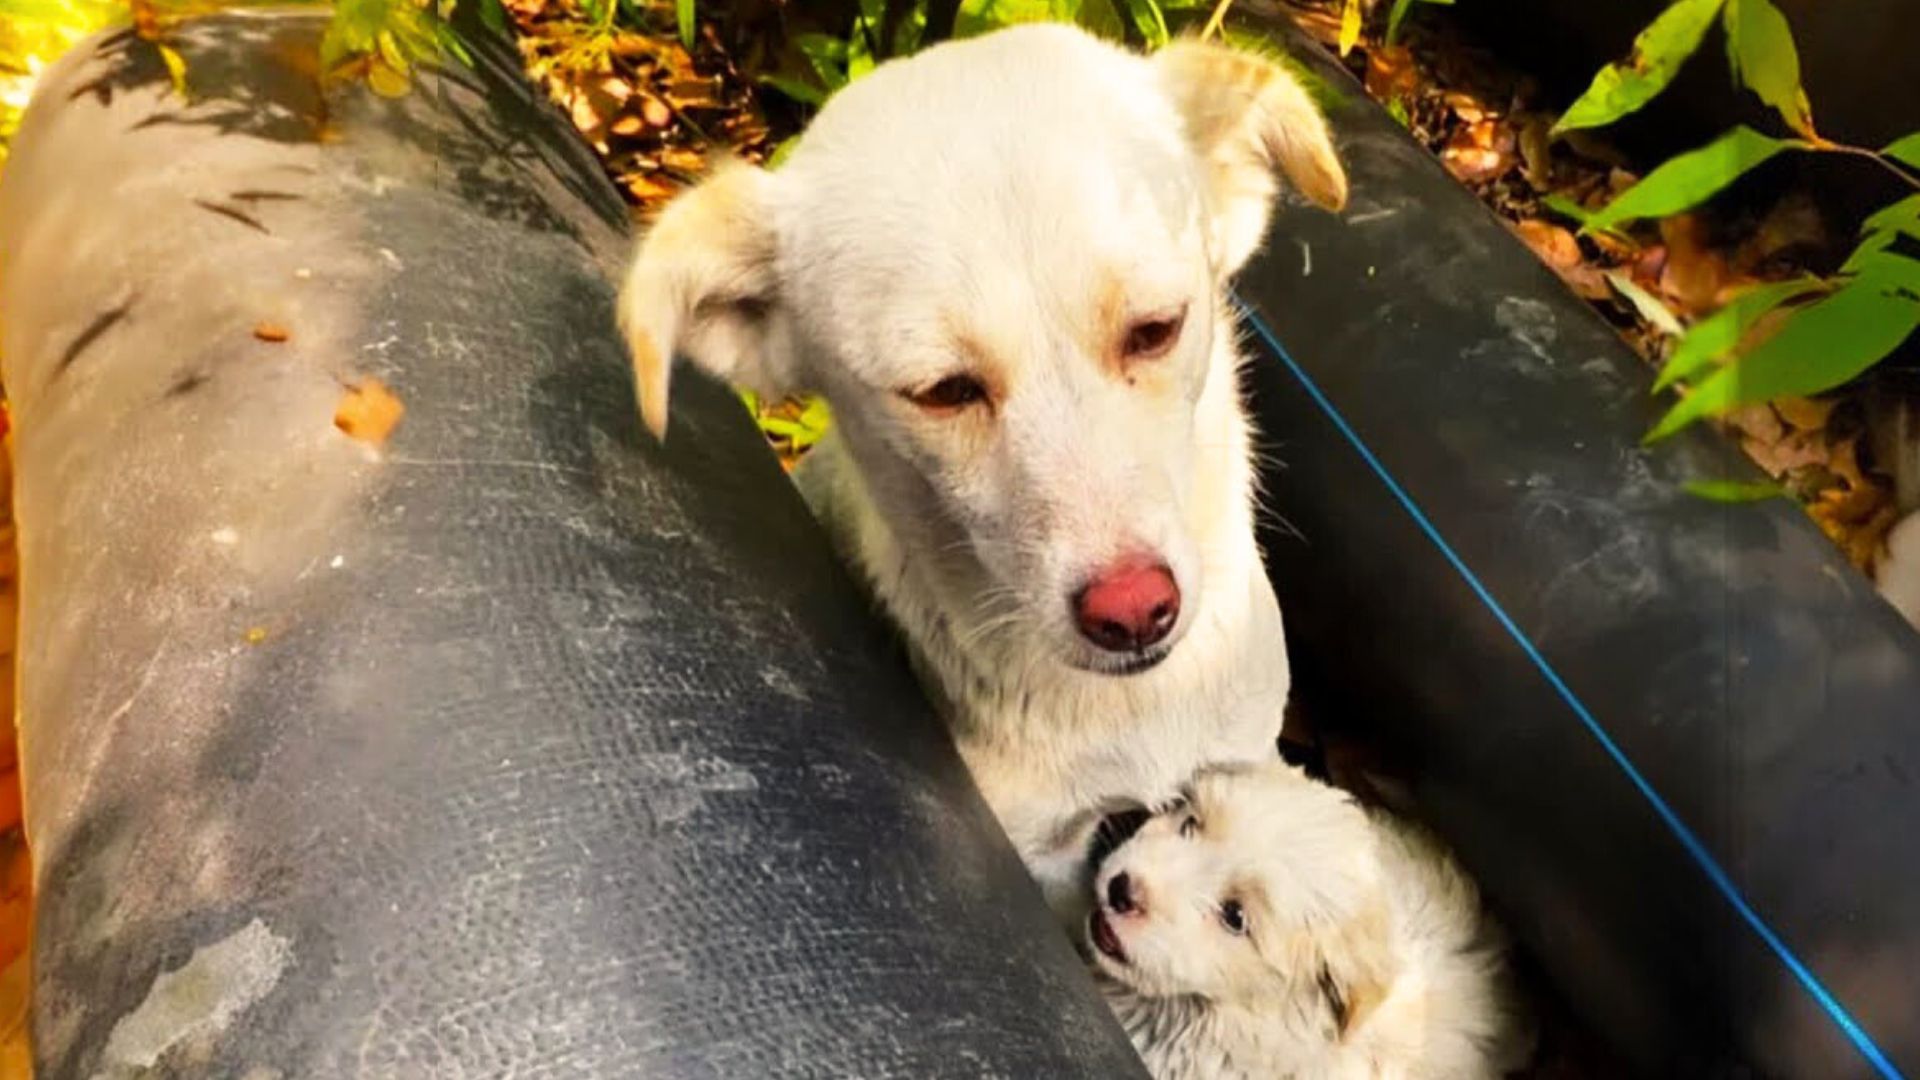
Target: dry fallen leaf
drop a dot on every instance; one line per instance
(1557, 248)
(1806, 414)
(679, 159)
(1757, 422)
(1390, 72)
(1793, 451)
(649, 190)
(1554, 245)
(1479, 151)
(368, 412)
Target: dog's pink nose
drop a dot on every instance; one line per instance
(1129, 607)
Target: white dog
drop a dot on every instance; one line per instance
(1003, 261)
(1268, 927)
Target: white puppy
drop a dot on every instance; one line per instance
(1004, 262)
(1269, 927)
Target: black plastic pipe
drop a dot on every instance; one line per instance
(1675, 739)
(506, 744)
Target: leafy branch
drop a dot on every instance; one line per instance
(1824, 331)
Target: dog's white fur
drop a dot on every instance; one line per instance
(1362, 951)
(1006, 208)
(1899, 572)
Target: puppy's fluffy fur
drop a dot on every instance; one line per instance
(1009, 211)
(1269, 927)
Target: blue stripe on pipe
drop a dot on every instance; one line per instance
(1715, 873)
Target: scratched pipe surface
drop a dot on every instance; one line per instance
(507, 745)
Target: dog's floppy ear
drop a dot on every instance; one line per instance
(1357, 966)
(702, 285)
(1247, 115)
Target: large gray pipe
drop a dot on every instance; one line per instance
(1676, 740)
(508, 744)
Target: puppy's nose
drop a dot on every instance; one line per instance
(1128, 607)
(1121, 897)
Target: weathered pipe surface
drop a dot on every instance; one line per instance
(1745, 672)
(513, 745)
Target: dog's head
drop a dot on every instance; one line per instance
(1261, 888)
(1003, 261)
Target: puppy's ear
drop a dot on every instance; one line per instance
(1357, 966)
(702, 285)
(1247, 115)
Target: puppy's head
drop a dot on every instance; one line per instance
(1003, 261)
(1262, 888)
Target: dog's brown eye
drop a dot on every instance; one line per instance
(1231, 917)
(950, 393)
(1190, 826)
(1154, 337)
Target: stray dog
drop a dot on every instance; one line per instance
(1004, 263)
(1267, 926)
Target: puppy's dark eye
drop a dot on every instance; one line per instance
(951, 393)
(1153, 337)
(1190, 826)
(1231, 917)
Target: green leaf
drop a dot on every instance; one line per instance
(803, 430)
(1399, 13)
(782, 152)
(1148, 19)
(1905, 150)
(1692, 177)
(450, 43)
(1903, 216)
(1647, 304)
(804, 93)
(782, 427)
(1097, 17)
(1567, 208)
(493, 15)
(827, 55)
(1658, 52)
(1397, 108)
(1822, 346)
(1394, 18)
(815, 414)
(1879, 231)
(859, 50)
(1761, 55)
(1735, 491)
(683, 17)
(389, 48)
(1892, 270)
(983, 16)
(1715, 337)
